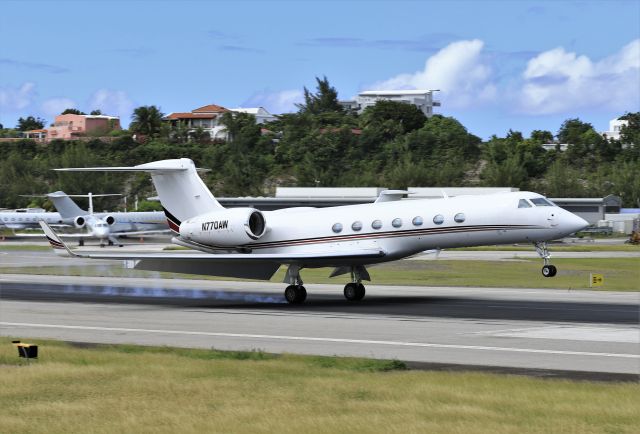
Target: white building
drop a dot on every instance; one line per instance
(261, 114)
(615, 127)
(208, 118)
(423, 99)
(555, 146)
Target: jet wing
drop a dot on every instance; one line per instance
(245, 265)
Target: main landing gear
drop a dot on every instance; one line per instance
(353, 291)
(548, 270)
(295, 292)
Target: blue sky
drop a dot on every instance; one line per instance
(499, 65)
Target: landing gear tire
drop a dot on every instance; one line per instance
(110, 243)
(81, 242)
(354, 291)
(549, 270)
(295, 294)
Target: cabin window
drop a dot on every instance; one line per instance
(337, 228)
(417, 221)
(376, 224)
(439, 219)
(541, 201)
(396, 223)
(356, 226)
(459, 217)
(524, 203)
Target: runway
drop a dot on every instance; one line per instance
(543, 331)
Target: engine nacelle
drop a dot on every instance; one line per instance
(109, 219)
(226, 228)
(79, 222)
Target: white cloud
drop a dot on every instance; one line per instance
(113, 103)
(275, 102)
(14, 99)
(557, 81)
(54, 106)
(459, 70)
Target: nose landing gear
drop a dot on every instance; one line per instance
(548, 270)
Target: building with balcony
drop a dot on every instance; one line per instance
(71, 126)
(423, 99)
(39, 135)
(208, 118)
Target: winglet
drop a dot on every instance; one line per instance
(59, 247)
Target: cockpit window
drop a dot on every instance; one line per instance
(541, 201)
(524, 204)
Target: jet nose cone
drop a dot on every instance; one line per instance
(576, 223)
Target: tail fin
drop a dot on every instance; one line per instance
(182, 193)
(59, 247)
(65, 205)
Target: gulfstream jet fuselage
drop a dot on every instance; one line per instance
(246, 242)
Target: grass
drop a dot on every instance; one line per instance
(620, 274)
(104, 389)
(23, 247)
(555, 248)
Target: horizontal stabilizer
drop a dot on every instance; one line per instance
(177, 165)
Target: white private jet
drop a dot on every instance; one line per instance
(248, 243)
(107, 227)
(24, 218)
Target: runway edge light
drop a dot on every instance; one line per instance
(596, 280)
(27, 351)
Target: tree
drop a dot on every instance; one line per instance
(30, 123)
(561, 180)
(630, 134)
(324, 100)
(146, 120)
(72, 111)
(541, 136)
(408, 116)
(572, 130)
(96, 112)
(507, 173)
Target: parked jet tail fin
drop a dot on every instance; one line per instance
(59, 247)
(181, 190)
(67, 208)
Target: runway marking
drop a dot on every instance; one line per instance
(630, 335)
(316, 339)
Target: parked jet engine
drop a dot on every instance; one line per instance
(79, 222)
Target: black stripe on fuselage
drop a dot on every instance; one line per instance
(377, 235)
(391, 234)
